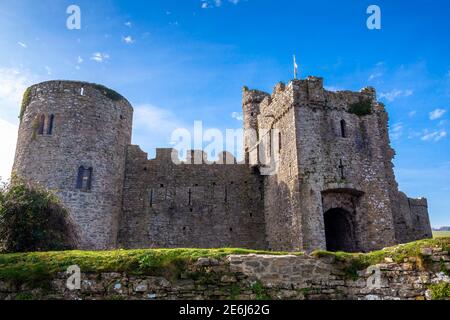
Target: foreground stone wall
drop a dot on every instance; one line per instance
(259, 277)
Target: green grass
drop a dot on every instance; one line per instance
(441, 234)
(37, 267)
(440, 291)
(355, 262)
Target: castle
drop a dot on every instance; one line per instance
(332, 184)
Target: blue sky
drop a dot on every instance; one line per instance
(181, 61)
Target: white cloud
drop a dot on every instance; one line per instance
(128, 24)
(99, 57)
(206, 4)
(128, 40)
(333, 88)
(434, 135)
(80, 60)
(375, 75)
(13, 83)
(412, 113)
(22, 44)
(396, 131)
(437, 114)
(394, 94)
(238, 116)
(153, 126)
(8, 132)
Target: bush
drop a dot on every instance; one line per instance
(32, 219)
(361, 108)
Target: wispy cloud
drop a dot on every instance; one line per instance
(412, 113)
(437, 114)
(8, 132)
(396, 131)
(395, 94)
(206, 4)
(153, 126)
(435, 135)
(128, 39)
(13, 83)
(238, 116)
(128, 24)
(22, 44)
(99, 57)
(375, 75)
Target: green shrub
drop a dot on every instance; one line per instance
(111, 94)
(32, 219)
(440, 291)
(361, 108)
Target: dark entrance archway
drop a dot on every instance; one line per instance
(339, 230)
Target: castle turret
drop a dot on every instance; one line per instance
(72, 139)
(251, 101)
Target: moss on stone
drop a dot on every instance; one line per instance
(361, 108)
(25, 102)
(354, 262)
(260, 292)
(38, 267)
(24, 296)
(440, 291)
(109, 93)
(235, 291)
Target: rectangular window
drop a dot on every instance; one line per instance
(84, 179)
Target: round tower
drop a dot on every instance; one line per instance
(72, 139)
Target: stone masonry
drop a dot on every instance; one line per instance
(316, 175)
(261, 277)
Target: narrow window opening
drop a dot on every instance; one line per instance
(279, 142)
(50, 124)
(343, 129)
(226, 194)
(151, 198)
(342, 169)
(41, 125)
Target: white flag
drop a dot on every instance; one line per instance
(295, 68)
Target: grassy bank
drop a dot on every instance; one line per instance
(441, 234)
(359, 261)
(29, 267)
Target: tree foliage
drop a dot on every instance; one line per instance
(33, 219)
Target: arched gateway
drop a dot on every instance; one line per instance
(339, 230)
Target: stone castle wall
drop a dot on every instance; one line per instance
(185, 205)
(314, 171)
(89, 129)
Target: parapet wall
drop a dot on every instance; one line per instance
(190, 205)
